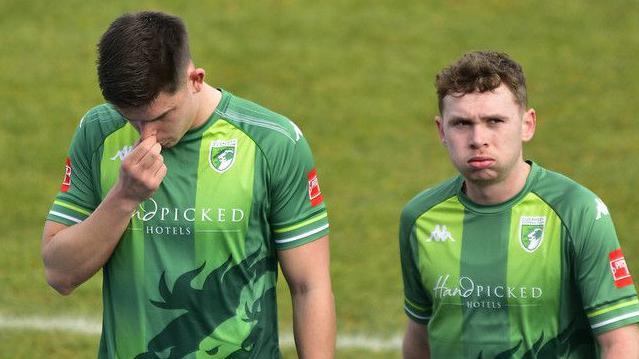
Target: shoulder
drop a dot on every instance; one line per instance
(565, 195)
(264, 126)
(579, 209)
(428, 199)
(103, 118)
(97, 124)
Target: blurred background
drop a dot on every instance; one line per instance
(357, 77)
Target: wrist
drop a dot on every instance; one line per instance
(118, 198)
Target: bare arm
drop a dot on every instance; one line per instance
(415, 344)
(306, 269)
(72, 254)
(620, 343)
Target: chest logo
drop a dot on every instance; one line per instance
(531, 232)
(122, 153)
(440, 234)
(222, 154)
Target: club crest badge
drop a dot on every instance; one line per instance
(222, 154)
(531, 232)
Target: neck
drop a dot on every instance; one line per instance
(499, 191)
(208, 100)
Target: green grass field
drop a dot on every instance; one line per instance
(357, 76)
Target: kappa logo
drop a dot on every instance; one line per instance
(123, 152)
(602, 209)
(440, 234)
(531, 232)
(298, 132)
(222, 154)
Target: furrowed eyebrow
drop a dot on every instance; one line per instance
(494, 117)
(456, 120)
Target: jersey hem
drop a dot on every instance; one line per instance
(58, 218)
(323, 231)
(633, 319)
(416, 318)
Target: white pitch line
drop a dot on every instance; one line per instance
(68, 324)
(367, 342)
(94, 327)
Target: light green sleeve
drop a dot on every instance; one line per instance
(417, 303)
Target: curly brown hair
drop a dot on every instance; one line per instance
(481, 71)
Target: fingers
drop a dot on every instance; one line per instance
(145, 154)
(157, 176)
(143, 170)
(157, 167)
(160, 173)
(151, 158)
(157, 148)
(142, 148)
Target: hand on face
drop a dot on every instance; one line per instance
(142, 170)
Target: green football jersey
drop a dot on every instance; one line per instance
(535, 277)
(194, 273)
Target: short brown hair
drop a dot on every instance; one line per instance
(140, 55)
(481, 71)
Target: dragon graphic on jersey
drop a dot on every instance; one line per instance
(227, 280)
(556, 347)
(253, 315)
(533, 238)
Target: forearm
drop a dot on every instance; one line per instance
(74, 254)
(620, 343)
(314, 323)
(414, 349)
(415, 345)
(627, 351)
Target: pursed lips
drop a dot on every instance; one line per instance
(481, 162)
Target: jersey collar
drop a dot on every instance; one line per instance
(196, 133)
(500, 207)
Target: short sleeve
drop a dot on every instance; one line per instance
(603, 278)
(298, 213)
(417, 304)
(77, 196)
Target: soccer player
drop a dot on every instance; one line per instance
(509, 259)
(188, 197)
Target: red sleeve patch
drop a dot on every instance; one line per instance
(66, 182)
(619, 269)
(314, 193)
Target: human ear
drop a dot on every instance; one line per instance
(196, 78)
(439, 122)
(528, 125)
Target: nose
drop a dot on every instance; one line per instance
(146, 129)
(478, 137)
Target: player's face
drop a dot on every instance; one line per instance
(484, 132)
(169, 116)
